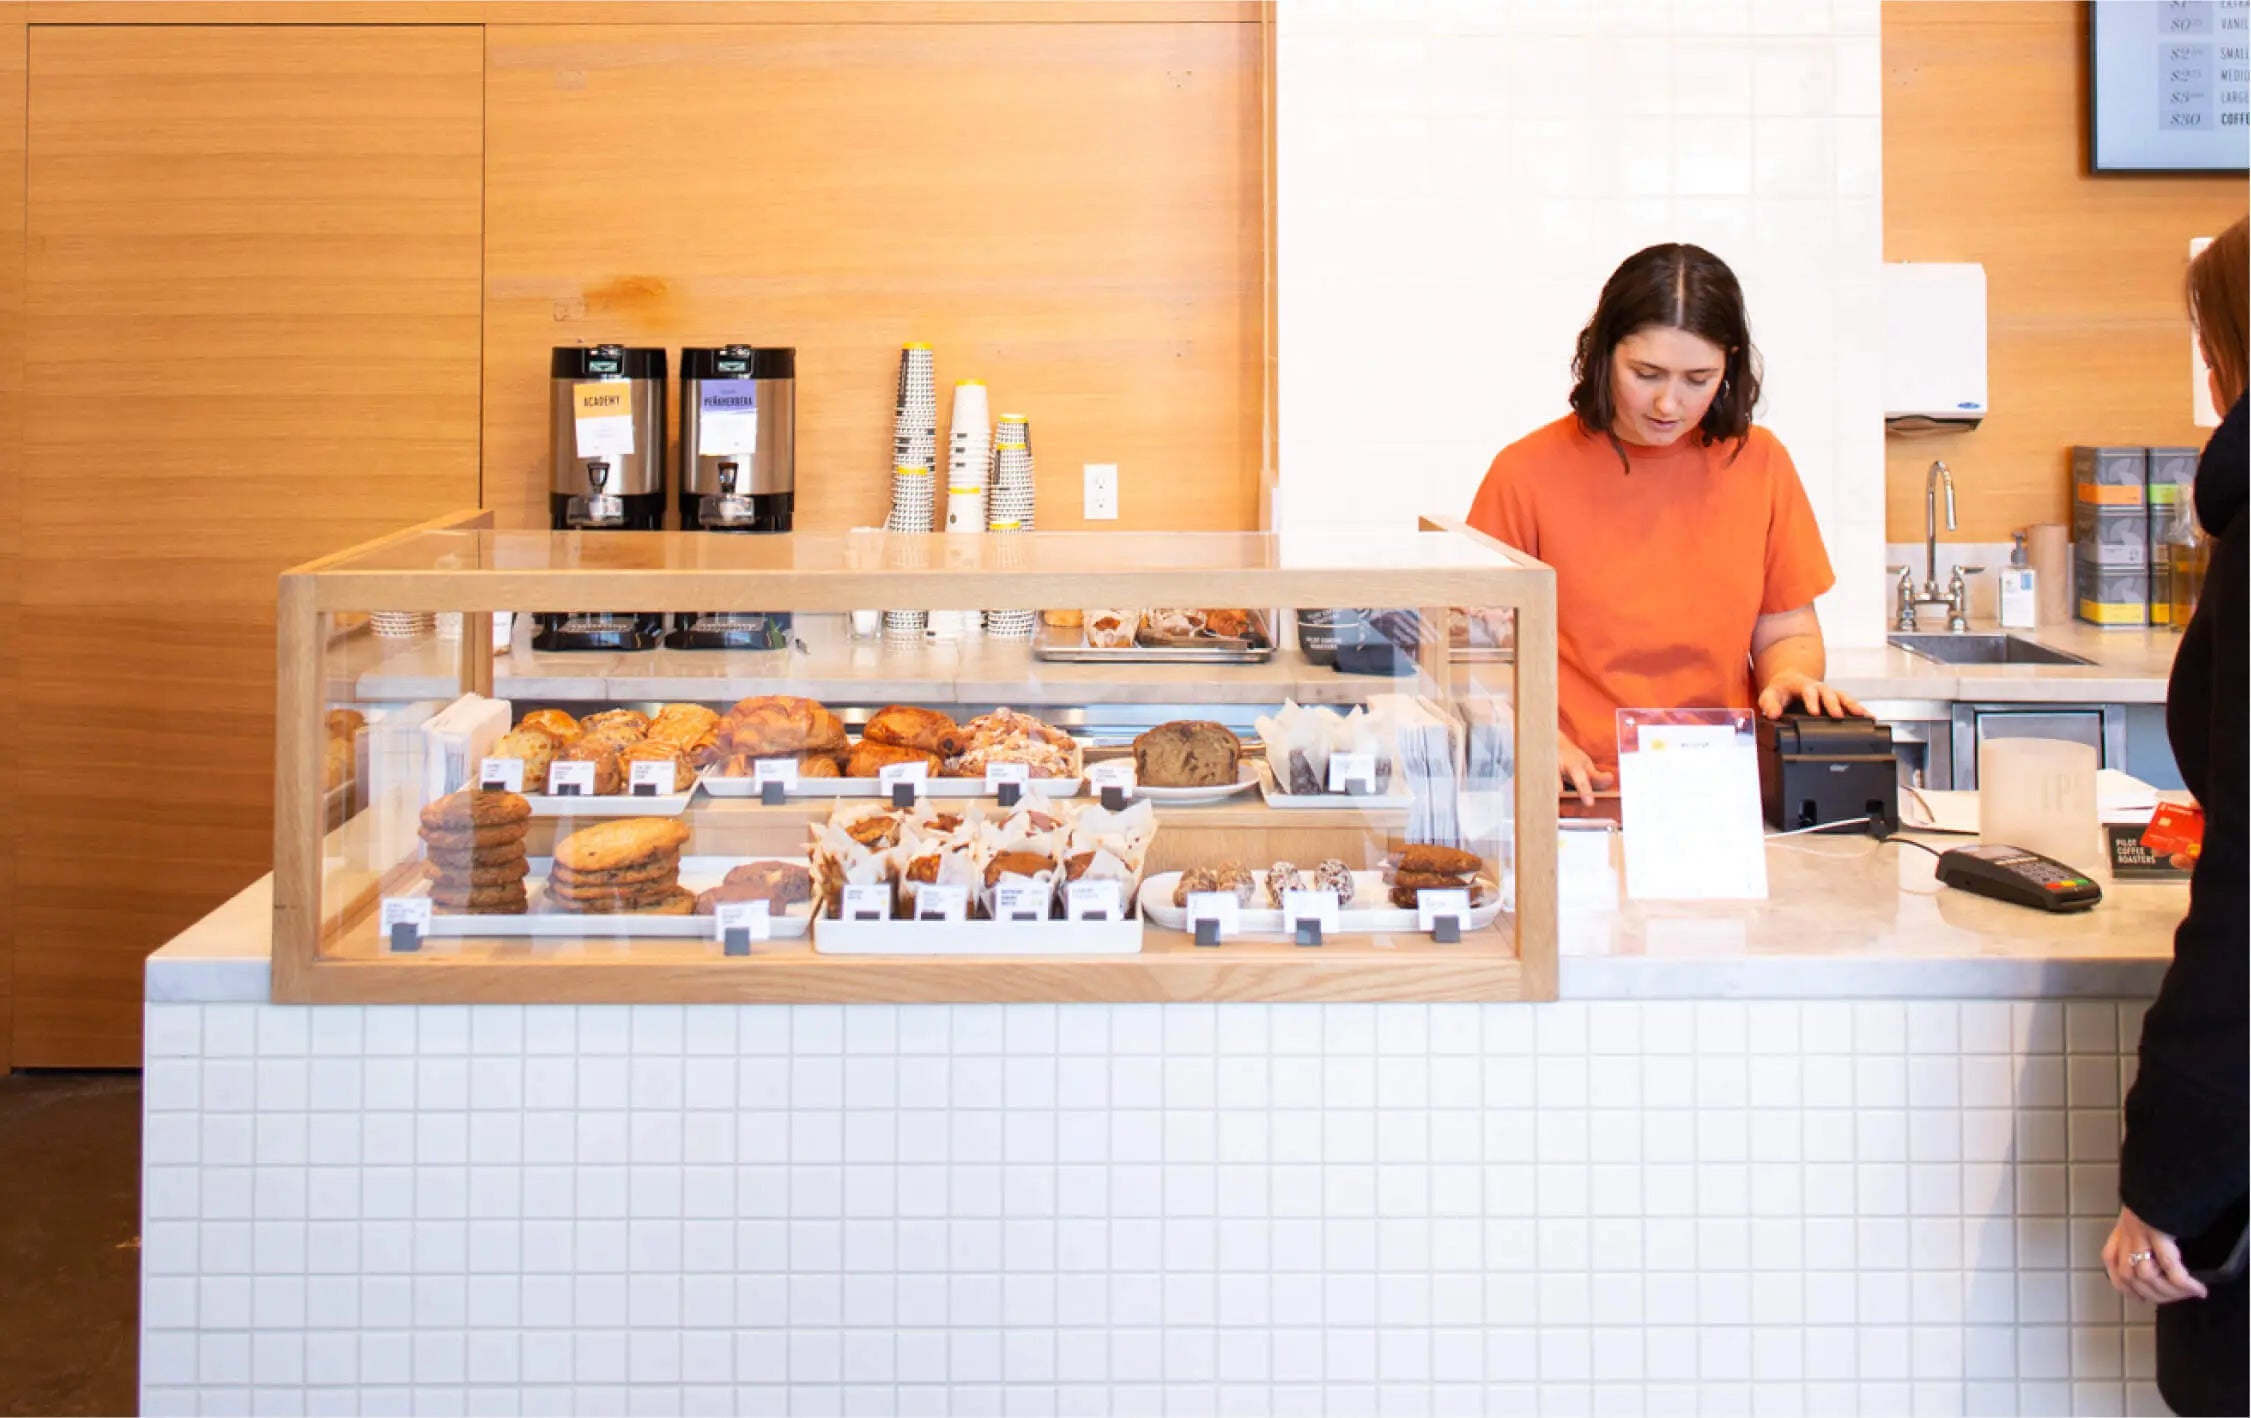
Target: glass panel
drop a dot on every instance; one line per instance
(628, 773)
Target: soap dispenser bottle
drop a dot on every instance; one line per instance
(2020, 598)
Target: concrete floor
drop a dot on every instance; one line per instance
(70, 1259)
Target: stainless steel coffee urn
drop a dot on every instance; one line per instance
(738, 471)
(605, 452)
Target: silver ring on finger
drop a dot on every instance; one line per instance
(2135, 1258)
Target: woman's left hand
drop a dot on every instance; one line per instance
(2145, 1263)
(1793, 687)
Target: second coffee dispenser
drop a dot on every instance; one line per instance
(738, 471)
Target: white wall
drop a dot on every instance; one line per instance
(1457, 178)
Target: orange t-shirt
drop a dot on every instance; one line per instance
(1661, 573)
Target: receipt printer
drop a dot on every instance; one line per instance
(1814, 771)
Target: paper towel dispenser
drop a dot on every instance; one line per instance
(1934, 345)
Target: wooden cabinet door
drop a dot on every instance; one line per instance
(252, 337)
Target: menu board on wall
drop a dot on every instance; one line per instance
(2170, 85)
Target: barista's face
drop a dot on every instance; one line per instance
(1662, 381)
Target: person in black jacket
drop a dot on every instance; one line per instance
(2183, 1164)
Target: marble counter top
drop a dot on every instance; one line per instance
(2130, 667)
(1846, 917)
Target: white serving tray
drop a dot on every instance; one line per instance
(1380, 918)
(1247, 780)
(1276, 798)
(978, 937)
(720, 787)
(698, 874)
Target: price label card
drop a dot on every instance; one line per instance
(1113, 773)
(1092, 901)
(1222, 908)
(657, 777)
(774, 770)
(727, 417)
(404, 921)
(570, 780)
(941, 903)
(1020, 901)
(756, 917)
(1319, 907)
(603, 418)
(1688, 793)
(501, 775)
(999, 773)
(1352, 772)
(891, 773)
(1434, 906)
(867, 901)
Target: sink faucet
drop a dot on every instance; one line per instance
(1938, 474)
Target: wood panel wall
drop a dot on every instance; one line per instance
(13, 39)
(1985, 159)
(1072, 212)
(252, 332)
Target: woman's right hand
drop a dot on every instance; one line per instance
(1577, 772)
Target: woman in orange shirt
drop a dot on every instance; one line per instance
(1685, 552)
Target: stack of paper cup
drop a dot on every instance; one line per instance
(913, 503)
(1009, 509)
(969, 442)
(914, 437)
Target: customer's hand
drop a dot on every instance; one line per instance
(1794, 687)
(2145, 1263)
(1575, 768)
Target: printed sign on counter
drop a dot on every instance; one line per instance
(1320, 907)
(1091, 901)
(501, 775)
(603, 420)
(1223, 909)
(570, 780)
(774, 770)
(894, 773)
(1020, 901)
(756, 917)
(1433, 906)
(999, 773)
(1352, 772)
(727, 419)
(941, 903)
(1688, 792)
(656, 777)
(867, 901)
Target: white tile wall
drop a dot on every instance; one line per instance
(1577, 1208)
(1457, 178)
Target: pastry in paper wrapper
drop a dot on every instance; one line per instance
(1112, 629)
(1009, 851)
(840, 859)
(940, 859)
(1297, 748)
(1111, 846)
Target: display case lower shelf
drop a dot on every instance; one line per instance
(358, 968)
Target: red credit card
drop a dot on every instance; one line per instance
(2176, 830)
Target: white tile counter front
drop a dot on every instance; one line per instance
(1789, 1204)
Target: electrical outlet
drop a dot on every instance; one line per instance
(1101, 492)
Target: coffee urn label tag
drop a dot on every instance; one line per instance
(603, 418)
(501, 775)
(727, 418)
(658, 776)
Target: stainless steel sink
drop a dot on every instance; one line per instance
(1986, 648)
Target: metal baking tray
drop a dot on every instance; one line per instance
(1067, 646)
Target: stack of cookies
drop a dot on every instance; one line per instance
(629, 864)
(474, 840)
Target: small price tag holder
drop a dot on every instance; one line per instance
(1214, 915)
(1114, 781)
(741, 923)
(501, 775)
(775, 778)
(570, 780)
(1311, 916)
(654, 780)
(902, 781)
(1020, 901)
(1352, 773)
(941, 903)
(405, 920)
(867, 901)
(1442, 914)
(1006, 781)
(1092, 901)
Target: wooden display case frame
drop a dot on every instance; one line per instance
(337, 960)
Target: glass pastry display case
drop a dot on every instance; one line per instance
(874, 811)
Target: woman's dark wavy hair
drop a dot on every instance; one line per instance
(1680, 287)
